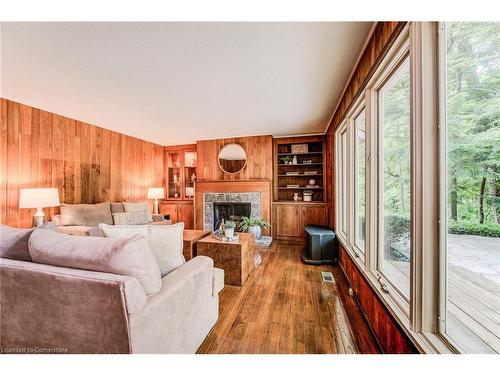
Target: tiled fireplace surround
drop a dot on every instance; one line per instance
(208, 204)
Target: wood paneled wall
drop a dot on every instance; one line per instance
(259, 151)
(387, 331)
(391, 337)
(88, 164)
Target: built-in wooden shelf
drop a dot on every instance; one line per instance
(304, 153)
(300, 188)
(315, 153)
(298, 165)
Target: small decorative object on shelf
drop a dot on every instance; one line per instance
(295, 197)
(176, 195)
(307, 195)
(286, 159)
(294, 186)
(176, 179)
(307, 162)
(193, 177)
(312, 181)
(294, 160)
(302, 148)
(310, 172)
(292, 173)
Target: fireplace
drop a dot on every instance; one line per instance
(233, 211)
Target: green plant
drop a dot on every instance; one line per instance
(252, 221)
(286, 159)
(487, 230)
(307, 192)
(229, 224)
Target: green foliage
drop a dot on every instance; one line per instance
(229, 224)
(252, 221)
(396, 227)
(489, 230)
(473, 122)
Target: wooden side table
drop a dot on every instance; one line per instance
(191, 238)
(235, 258)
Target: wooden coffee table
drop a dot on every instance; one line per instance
(191, 238)
(235, 258)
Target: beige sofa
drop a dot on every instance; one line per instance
(83, 219)
(51, 309)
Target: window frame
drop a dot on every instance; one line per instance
(341, 180)
(418, 318)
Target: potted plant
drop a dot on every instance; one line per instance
(307, 194)
(229, 228)
(253, 225)
(286, 159)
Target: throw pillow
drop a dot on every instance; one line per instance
(117, 207)
(123, 256)
(130, 218)
(89, 215)
(141, 206)
(165, 241)
(14, 243)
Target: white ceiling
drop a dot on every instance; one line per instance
(175, 83)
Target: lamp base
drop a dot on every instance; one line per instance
(38, 218)
(156, 209)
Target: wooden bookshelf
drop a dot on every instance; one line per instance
(310, 165)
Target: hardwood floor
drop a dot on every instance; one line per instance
(284, 307)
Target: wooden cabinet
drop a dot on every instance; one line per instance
(289, 219)
(179, 212)
(180, 172)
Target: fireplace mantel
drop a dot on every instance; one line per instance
(241, 186)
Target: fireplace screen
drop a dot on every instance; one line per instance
(233, 211)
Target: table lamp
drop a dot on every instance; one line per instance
(39, 198)
(156, 193)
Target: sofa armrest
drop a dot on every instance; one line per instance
(135, 296)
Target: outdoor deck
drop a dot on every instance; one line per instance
(473, 292)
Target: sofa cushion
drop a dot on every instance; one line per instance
(117, 207)
(130, 218)
(74, 230)
(89, 215)
(14, 243)
(165, 241)
(121, 256)
(140, 206)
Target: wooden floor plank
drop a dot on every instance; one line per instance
(284, 307)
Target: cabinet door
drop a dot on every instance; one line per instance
(186, 214)
(170, 209)
(288, 221)
(314, 215)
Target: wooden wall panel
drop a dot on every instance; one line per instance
(387, 331)
(259, 151)
(88, 164)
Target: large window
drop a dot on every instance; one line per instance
(360, 181)
(418, 184)
(394, 178)
(470, 217)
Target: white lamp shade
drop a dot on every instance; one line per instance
(189, 191)
(156, 193)
(39, 198)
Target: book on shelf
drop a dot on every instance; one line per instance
(293, 186)
(307, 162)
(312, 186)
(310, 172)
(292, 173)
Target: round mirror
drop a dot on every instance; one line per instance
(232, 158)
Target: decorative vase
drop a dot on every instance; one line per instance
(295, 197)
(307, 198)
(255, 230)
(229, 232)
(294, 160)
(312, 181)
